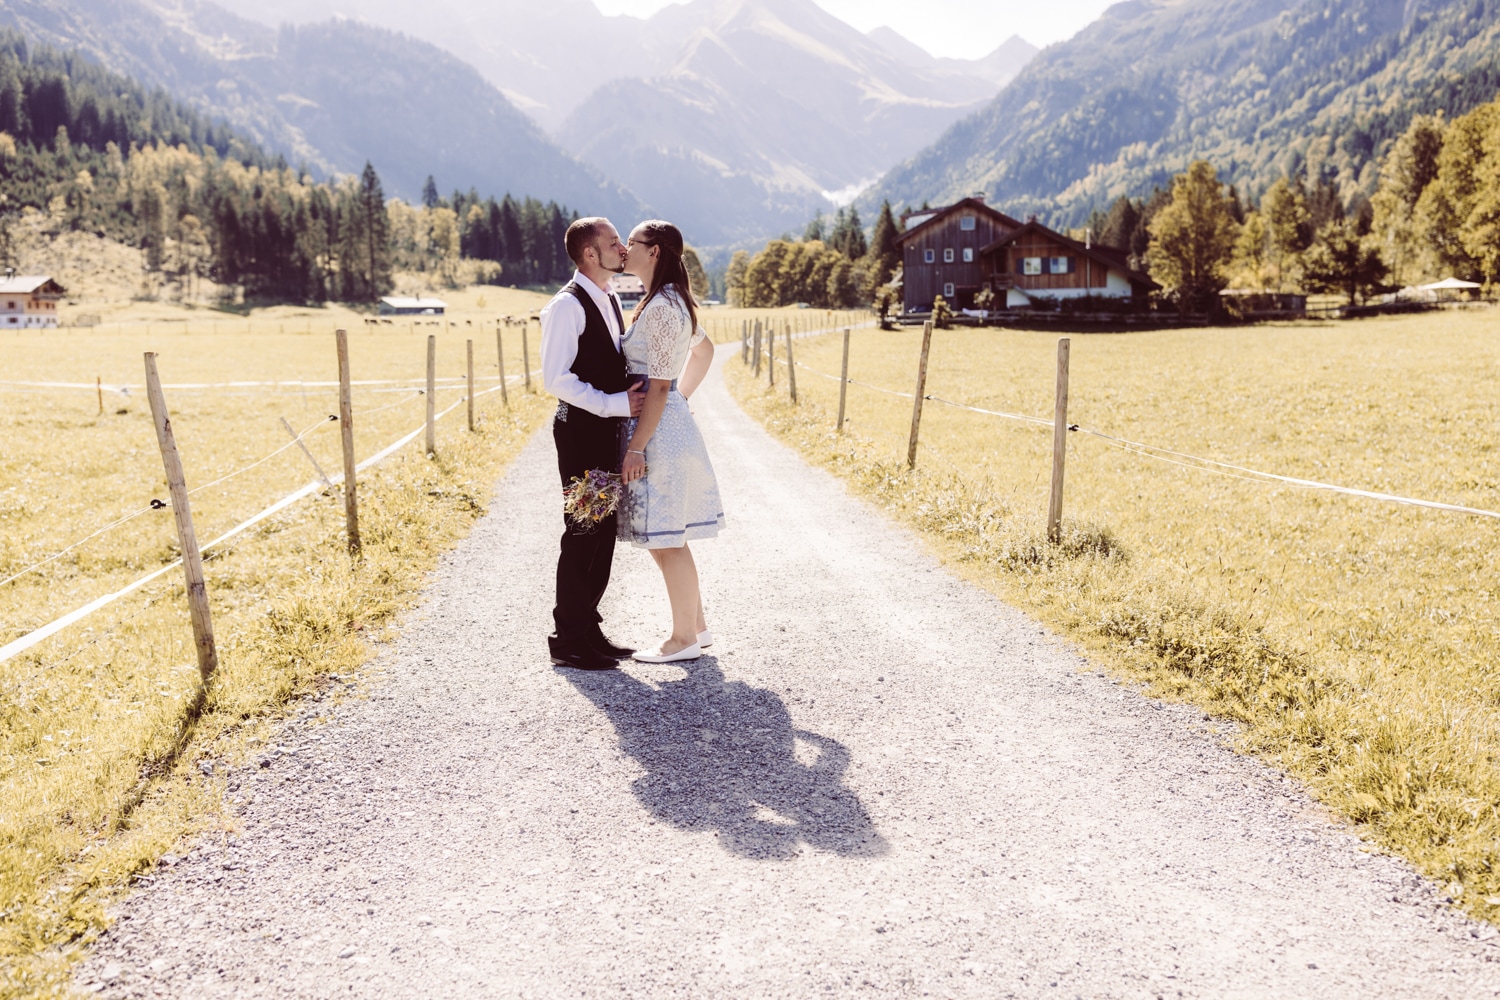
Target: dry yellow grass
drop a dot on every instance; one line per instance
(1355, 641)
(101, 766)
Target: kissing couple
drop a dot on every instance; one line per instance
(622, 408)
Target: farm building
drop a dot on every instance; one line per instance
(961, 249)
(940, 252)
(400, 305)
(29, 300)
(1034, 262)
(628, 289)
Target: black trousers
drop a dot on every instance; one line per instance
(584, 442)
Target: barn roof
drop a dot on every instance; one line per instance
(1108, 256)
(934, 216)
(26, 284)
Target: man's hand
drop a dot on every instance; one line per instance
(637, 398)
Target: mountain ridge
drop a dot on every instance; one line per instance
(1260, 88)
(767, 105)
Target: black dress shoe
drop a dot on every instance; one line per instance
(599, 644)
(580, 657)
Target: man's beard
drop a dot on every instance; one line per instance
(618, 268)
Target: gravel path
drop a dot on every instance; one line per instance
(884, 782)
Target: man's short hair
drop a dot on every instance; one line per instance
(580, 235)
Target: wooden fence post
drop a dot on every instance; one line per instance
(500, 355)
(192, 559)
(916, 409)
(757, 349)
(526, 351)
(346, 433)
(469, 347)
(744, 341)
(431, 394)
(99, 388)
(1059, 443)
(791, 366)
(771, 352)
(844, 381)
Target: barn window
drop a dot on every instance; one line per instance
(1031, 265)
(929, 256)
(10, 305)
(948, 290)
(1060, 265)
(967, 223)
(948, 255)
(968, 255)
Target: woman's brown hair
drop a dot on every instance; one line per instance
(670, 269)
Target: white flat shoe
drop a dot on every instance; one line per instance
(686, 653)
(705, 639)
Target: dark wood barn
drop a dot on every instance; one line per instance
(940, 253)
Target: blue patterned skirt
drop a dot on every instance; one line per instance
(677, 500)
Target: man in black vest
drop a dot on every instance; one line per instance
(582, 365)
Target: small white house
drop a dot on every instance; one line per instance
(402, 305)
(29, 301)
(628, 289)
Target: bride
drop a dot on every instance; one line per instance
(671, 495)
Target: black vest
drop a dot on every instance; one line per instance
(599, 362)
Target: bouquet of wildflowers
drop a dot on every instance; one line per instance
(593, 496)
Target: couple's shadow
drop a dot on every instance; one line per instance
(723, 756)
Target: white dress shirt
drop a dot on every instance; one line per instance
(562, 324)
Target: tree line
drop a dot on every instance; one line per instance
(1435, 214)
(833, 266)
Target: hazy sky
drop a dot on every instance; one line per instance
(962, 28)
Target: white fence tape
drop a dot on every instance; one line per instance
(1185, 460)
(32, 638)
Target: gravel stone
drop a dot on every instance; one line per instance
(882, 781)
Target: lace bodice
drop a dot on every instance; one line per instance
(658, 342)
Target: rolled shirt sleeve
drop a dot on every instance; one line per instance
(562, 325)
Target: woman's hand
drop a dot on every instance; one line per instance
(634, 467)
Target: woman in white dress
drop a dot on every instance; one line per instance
(671, 496)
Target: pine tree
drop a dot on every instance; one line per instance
(430, 196)
(884, 248)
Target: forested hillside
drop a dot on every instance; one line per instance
(1261, 88)
(98, 152)
(329, 95)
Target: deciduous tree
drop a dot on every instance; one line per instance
(1192, 239)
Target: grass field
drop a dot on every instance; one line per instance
(102, 767)
(1356, 642)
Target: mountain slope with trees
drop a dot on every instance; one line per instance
(328, 95)
(1263, 89)
(96, 152)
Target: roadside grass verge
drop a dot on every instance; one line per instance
(110, 753)
(1353, 643)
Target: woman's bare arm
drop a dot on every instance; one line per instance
(699, 361)
(634, 466)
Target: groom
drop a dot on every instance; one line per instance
(583, 366)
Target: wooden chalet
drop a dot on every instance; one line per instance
(961, 249)
(1035, 262)
(940, 253)
(29, 301)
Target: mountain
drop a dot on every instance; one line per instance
(998, 68)
(330, 95)
(764, 111)
(1260, 88)
(530, 51)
